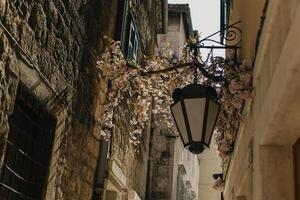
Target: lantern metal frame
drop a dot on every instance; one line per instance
(196, 91)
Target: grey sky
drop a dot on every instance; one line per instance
(205, 16)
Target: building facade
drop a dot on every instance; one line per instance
(122, 170)
(210, 165)
(51, 97)
(265, 161)
(175, 173)
(174, 170)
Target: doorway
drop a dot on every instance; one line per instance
(28, 149)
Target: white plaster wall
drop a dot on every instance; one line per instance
(190, 163)
(210, 164)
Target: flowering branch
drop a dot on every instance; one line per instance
(152, 86)
(166, 70)
(211, 76)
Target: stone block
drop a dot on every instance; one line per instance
(2, 7)
(88, 174)
(132, 195)
(86, 192)
(92, 147)
(163, 171)
(161, 183)
(160, 195)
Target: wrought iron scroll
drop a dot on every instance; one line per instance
(231, 41)
(233, 37)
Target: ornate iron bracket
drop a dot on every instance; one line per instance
(233, 42)
(232, 38)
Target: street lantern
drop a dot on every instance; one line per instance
(195, 111)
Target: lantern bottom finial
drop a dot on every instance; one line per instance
(196, 148)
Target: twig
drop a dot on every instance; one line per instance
(175, 67)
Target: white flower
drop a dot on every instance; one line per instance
(139, 91)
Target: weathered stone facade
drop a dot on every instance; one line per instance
(265, 161)
(173, 170)
(128, 164)
(45, 47)
(50, 48)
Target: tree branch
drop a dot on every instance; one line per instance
(214, 78)
(210, 76)
(198, 65)
(175, 67)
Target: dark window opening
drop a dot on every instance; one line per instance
(28, 150)
(127, 32)
(120, 19)
(131, 40)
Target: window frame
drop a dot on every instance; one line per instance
(131, 39)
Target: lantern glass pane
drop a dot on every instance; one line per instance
(213, 110)
(195, 113)
(179, 119)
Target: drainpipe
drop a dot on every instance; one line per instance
(150, 160)
(101, 174)
(105, 153)
(101, 171)
(149, 169)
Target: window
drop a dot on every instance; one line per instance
(28, 151)
(127, 32)
(131, 40)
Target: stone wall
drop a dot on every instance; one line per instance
(128, 164)
(50, 47)
(262, 166)
(174, 171)
(133, 160)
(162, 164)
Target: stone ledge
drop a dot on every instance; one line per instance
(116, 175)
(132, 195)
